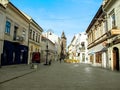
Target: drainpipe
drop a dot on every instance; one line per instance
(28, 44)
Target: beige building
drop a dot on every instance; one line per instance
(104, 36)
(18, 34)
(112, 11)
(48, 51)
(34, 42)
(2, 19)
(14, 35)
(97, 37)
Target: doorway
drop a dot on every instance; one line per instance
(116, 58)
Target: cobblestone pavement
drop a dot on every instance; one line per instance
(10, 72)
(64, 76)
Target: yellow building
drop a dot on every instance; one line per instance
(35, 32)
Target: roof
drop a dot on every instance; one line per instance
(99, 12)
(44, 38)
(2, 5)
(28, 18)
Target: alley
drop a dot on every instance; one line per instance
(64, 76)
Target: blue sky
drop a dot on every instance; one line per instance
(70, 16)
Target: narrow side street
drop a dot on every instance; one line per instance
(64, 76)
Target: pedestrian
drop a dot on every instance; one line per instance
(50, 62)
(60, 60)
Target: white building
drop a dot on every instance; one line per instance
(56, 40)
(78, 48)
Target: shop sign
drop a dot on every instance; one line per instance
(115, 31)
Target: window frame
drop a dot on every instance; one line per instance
(8, 27)
(112, 19)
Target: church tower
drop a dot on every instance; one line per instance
(63, 45)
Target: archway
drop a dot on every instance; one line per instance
(116, 58)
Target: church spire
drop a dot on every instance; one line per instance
(63, 35)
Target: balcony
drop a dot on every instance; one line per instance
(18, 39)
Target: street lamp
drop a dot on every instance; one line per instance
(48, 32)
(46, 54)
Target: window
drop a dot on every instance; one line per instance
(113, 24)
(104, 26)
(30, 34)
(36, 37)
(7, 28)
(113, 20)
(24, 34)
(15, 32)
(33, 35)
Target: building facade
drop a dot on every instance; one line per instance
(97, 37)
(112, 11)
(2, 19)
(78, 48)
(34, 42)
(15, 35)
(63, 44)
(48, 51)
(104, 36)
(56, 40)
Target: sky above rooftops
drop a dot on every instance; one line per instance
(70, 16)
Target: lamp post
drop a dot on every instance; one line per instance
(46, 63)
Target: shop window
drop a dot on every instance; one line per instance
(91, 58)
(98, 57)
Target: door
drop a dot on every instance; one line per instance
(116, 58)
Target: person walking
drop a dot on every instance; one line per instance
(50, 61)
(60, 60)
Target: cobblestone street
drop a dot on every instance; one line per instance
(64, 76)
